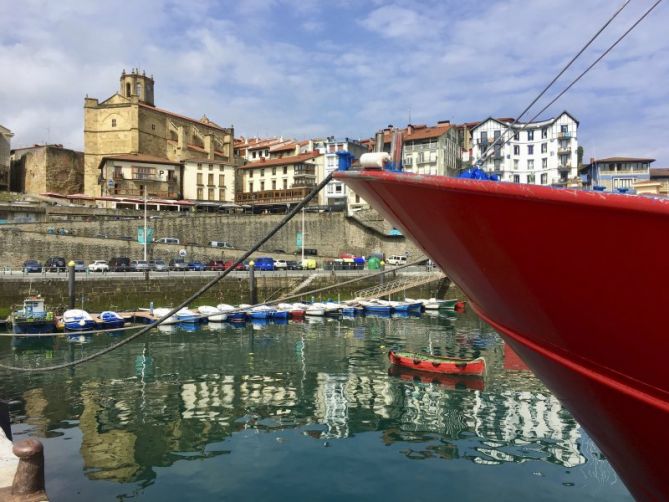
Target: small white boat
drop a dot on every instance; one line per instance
(212, 313)
(315, 310)
(161, 312)
(188, 316)
(78, 320)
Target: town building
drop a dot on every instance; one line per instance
(129, 123)
(540, 153)
(253, 149)
(208, 180)
(427, 149)
(337, 193)
(46, 168)
(138, 175)
(281, 182)
(5, 149)
(614, 173)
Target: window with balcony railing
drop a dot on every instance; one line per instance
(304, 169)
(144, 173)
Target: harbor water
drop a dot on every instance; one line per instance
(299, 411)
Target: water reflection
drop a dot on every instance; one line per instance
(330, 378)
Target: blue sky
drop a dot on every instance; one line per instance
(308, 68)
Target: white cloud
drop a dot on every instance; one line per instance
(304, 68)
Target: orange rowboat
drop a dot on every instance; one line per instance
(438, 364)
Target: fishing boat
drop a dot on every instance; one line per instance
(213, 314)
(109, 320)
(434, 304)
(604, 361)
(78, 320)
(438, 364)
(315, 310)
(33, 318)
(260, 312)
(279, 314)
(376, 308)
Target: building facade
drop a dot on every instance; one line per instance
(208, 180)
(280, 182)
(139, 176)
(46, 168)
(5, 149)
(129, 123)
(427, 149)
(336, 192)
(614, 173)
(539, 153)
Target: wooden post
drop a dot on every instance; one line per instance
(253, 294)
(70, 283)
(28, 482)
(5, 422)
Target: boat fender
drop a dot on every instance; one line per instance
(416, 362)
(436, 364)
(461, 366)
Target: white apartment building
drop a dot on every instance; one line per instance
(336, 192)
(540, 153)
(208, 180)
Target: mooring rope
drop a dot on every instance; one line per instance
(188, 300)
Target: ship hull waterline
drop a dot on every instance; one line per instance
(515, 250)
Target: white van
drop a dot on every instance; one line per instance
(220, 244)
(168, 240)
(397, 260)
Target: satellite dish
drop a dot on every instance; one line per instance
(183, 253)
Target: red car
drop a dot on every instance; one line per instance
(216, 265)
(228, 264)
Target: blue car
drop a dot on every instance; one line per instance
(264, 263)
(32, 266)
(197, 266)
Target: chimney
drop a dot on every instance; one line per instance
(409, 129)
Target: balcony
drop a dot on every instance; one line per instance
(564, 150)
(565, 135)
(151, 194)
(564, 167)
(290, 195)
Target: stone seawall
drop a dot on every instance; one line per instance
(329, 233)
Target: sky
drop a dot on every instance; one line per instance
(344, 68)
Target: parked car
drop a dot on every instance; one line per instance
(178, 264)
(139, 266)
(264, 263)
(280, 264)
(55, 264)
(31, 266)
(293, 265)
(197, 266)
(220, 244)
(158, 265)
(309, 264)
(167, 240)
(79, 266)
(397, 260)
(229, 263)
(216, 265)
(98, 266)
(119, 264)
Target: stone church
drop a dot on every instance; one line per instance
(129, 123)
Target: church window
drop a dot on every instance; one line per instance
(128, 89)
(153, 127)
(138, 89)
(113, 122)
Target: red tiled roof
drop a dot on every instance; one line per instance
(290, 145)
(140, 157)
(198, 122)
(283, 161)
(659, 172)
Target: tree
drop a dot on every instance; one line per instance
(579, 155)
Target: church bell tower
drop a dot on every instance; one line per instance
(136, 84)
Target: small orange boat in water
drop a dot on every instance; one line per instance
(438, 364)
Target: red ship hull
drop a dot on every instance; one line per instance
(547, 268)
